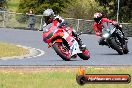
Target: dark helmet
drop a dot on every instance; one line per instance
(48, 15)
(97, 17)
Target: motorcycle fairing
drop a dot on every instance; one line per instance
(74, 46)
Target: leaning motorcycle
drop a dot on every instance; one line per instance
(62, 41)
(114, 38)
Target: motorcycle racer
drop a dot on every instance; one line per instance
(49, 17)
(97, 26)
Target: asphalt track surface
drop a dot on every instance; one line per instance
(100, 55)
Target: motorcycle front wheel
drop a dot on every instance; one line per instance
(116, 46)
(62, 51)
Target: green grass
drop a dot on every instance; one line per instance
(13, 5)
(57, 78)
(7, 50)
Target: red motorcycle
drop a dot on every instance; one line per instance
(62, 41)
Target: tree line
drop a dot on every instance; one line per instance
(83, 9)
(3, 4)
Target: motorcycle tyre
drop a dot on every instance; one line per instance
(125, 50)
(83, 56)
(57, 50)
(115, 46)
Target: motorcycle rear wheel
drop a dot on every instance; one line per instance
(125, 50)
(85, 55)
(62, 51)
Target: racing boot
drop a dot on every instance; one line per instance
(81, 44)
(120, 28)
(125, 38)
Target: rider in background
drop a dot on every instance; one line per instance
(99, 19)
(49, 17)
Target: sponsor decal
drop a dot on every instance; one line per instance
(83, 78)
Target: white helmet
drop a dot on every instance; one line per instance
(48, 15)
(48, 12)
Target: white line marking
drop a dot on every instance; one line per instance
(33, 52)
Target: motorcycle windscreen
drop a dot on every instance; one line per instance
(107, 29)
(46, 29)
(108, 26)
(47, 34)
